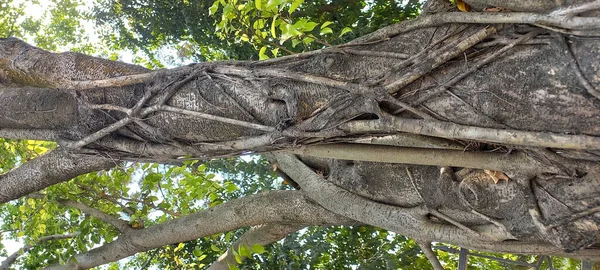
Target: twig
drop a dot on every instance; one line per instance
(408, 107)
(575, 23)
(298, 76)
(217, 118)
(112, 82)
(110, 107)
(116, 222)
(377, 53)
(426, 248)
(562, 42)
(451, 130)
(439, 57)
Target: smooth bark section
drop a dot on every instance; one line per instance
(261, 235)
(37, 108)
(417, 156)
(450, 130)
(52, 168)
(291, 207)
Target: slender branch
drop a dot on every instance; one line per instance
(111, 82)
(552, 20)
(302, 77)
(116, 222)
(217, 118)
(290, 207)
(426, 248)
(450, 130)
(261, 235)
(13, 257)
(150, 204)
(417, 156)
(382, 54)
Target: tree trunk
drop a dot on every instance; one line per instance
(481, 135)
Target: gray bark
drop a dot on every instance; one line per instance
(522, 106)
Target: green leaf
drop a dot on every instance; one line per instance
(295, 42)
(213, 9)
(274, 52)
(238, 259)
(244, 251)
(258, 249)
(309, 26)
(179, 247)
(325, 24)
(215, 248)
(197, 252)
(261, 53)
(273, 24)
(295, 5)
(231, 187)
(258, 4)
(345, 30)
(326, 31)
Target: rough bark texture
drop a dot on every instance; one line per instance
(540, 86)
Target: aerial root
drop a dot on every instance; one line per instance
(431, 256)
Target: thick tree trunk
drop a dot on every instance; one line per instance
(514, 103)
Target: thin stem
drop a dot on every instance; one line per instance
(450, 130)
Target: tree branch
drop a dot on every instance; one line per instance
(262, 235)
(121, 225)
(290, 207)
(426, 248)
(396, 218)
(575, 24)
(13, 257)
(417, 156)
(450, 130)
(54, 167)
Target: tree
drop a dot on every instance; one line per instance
(448, 128)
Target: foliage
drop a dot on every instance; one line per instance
(276, 25)
(56, 24)
(243, 28)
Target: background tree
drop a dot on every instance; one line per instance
(293, 116)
